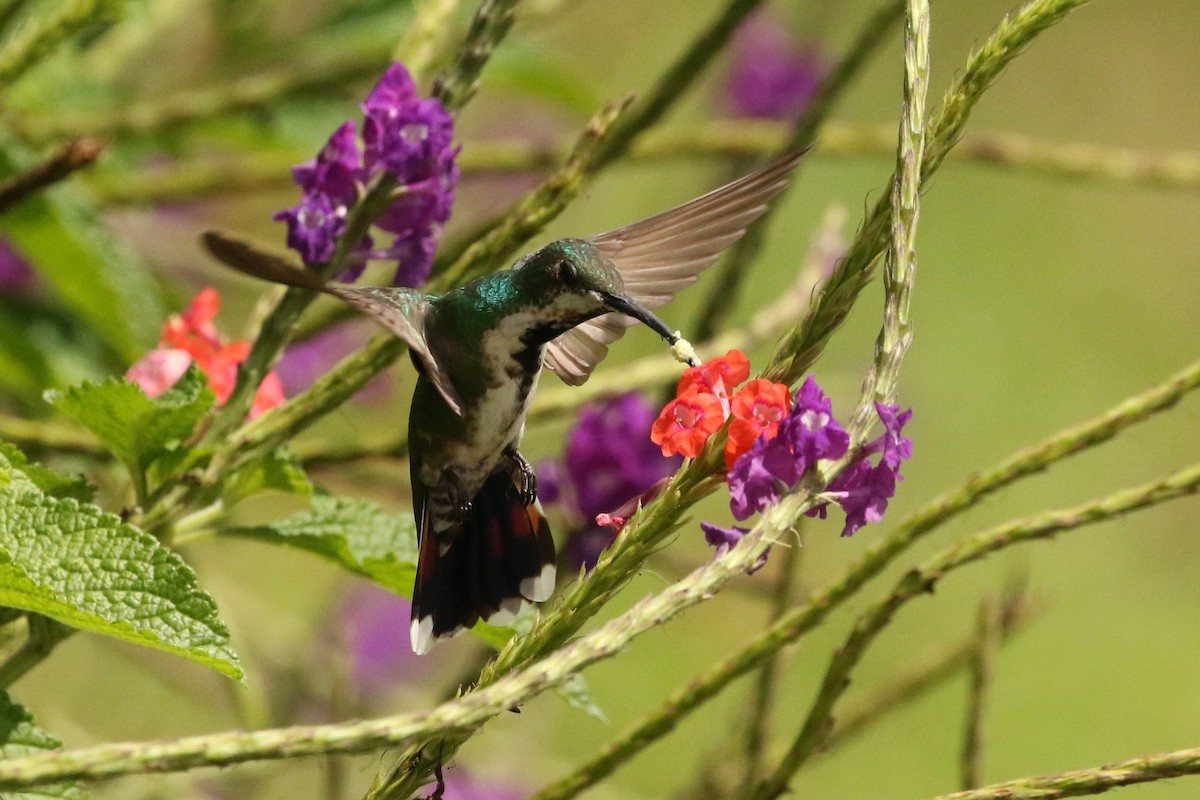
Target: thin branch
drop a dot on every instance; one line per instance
(333, 69)
(47, 434)
(797, 351)
(537, 208)
(736, 266)
(44, 635)
(678, 78)
(757, 717)
(40, 36)
(922, 580)
(926, 674)
(492, 20)
(1081, 782)
(66, 160)
(715, 139)
(987, 640)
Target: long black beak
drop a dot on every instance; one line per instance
(632, 308)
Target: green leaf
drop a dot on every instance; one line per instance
(137, 429)
(363, 538)
(356, 534)
(276, 471)
(50, 481)
(19, 737)
(74, 563)
(99, 277)
(578, 695)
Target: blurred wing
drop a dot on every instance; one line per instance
(402, 311)
(660, 255)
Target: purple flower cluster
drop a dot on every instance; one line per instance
(770, 76)
(810, 434)
(863, 489)
(403, 134)
(609, 461)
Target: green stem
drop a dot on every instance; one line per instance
(987, 639)
(248, 92)
(757, 719)
(1082, 782)
(43, 34)
(48, 434)
(736, 267)
(930, 672)
(678, 78)
(426, 36)
(799, 349)
(537, 208)
(724, 139)
(921, 580)
(44, 635)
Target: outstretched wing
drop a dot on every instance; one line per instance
(660, 255)
(401, 311)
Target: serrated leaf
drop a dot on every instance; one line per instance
(52, 482)
(357, 534)
(74, 563)
(578, 694)
(276, 471)
(137, 429)
(99, 277)
(20, 737)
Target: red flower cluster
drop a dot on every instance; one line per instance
(191, 336)
(704, 400)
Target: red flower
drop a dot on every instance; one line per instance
(718, 376)
(686, 423)
(757, 409)
(191, 336)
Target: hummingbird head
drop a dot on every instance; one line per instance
(572, 282)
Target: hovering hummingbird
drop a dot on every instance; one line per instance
(485, 547)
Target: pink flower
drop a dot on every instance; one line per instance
(192, 337)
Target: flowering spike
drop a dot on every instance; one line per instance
(403, 134)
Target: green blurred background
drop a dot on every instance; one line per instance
(1039, 302)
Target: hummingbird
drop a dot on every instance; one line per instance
(485, 548)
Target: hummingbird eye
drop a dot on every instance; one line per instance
(568, 273)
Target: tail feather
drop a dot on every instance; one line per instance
(500, 558)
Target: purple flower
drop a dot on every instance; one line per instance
(405, 135)
(725, 538)
(313, 226)
(810, 428)
(335, 170)
(15, 273)
(863, 489)
(770, 76)
(610, 458)
(772, 466)
(376, 622)
(609, 461)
